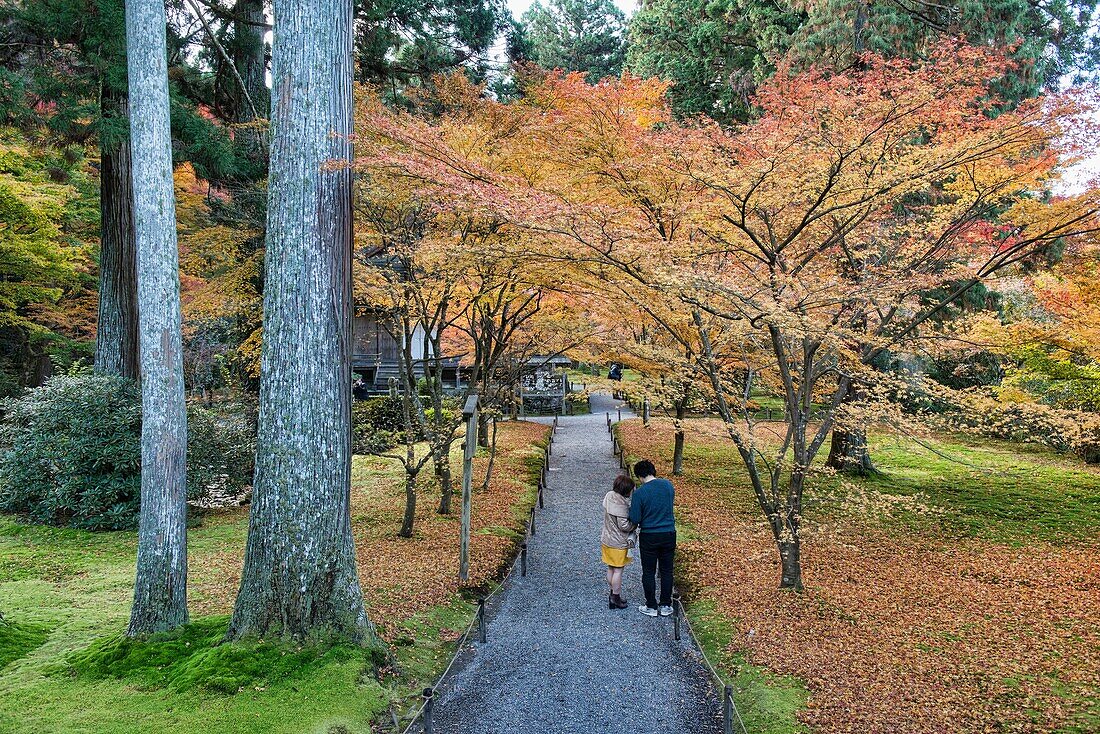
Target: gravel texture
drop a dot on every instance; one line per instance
(557, 660)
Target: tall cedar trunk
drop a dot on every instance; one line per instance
(446, 484)
(116, 344)
(678, 446)
(299, 579)
(250, 59)
(160, 588)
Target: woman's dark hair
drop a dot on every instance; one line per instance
(645, 468)
(624, 485)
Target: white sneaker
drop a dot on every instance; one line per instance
(648, 611)
(665, 611)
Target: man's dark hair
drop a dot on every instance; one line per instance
(645, 468)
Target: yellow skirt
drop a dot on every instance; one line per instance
(615, 557)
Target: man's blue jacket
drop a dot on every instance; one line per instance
(651, 507)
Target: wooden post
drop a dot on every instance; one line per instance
(429, 704)
(727, 710)
(469, 414)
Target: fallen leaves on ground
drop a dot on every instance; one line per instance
(403, 577)
(896, 632)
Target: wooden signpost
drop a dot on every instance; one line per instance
(469, 414)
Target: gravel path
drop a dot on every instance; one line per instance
(557, 660)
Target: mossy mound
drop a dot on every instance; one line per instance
(194, 656)
(18, 639)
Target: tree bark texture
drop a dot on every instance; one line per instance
(848, 452)
(446, 481)
(250, 58)
(409, 517)
(300, 579)
(483, 428)
(160, 588)
(116, 344)
(678, 441)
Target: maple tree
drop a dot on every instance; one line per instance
(453, 282)
(797, 248)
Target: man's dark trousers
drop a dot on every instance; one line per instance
(658, 550)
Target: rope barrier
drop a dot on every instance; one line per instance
(727, 689)
(428, 697)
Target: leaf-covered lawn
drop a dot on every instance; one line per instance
(64, 590)
(940, 596)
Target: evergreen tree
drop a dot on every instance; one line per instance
(715, 51)
(64, 73)
(577, 35)
(1048, 40)
(402, 43)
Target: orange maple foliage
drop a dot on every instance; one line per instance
(797, 248)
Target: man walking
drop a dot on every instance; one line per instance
(651, 511)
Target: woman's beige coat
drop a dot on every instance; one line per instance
(616, 523)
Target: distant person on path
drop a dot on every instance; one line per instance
(616, 537)
(651, 511)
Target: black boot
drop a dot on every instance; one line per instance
(616, 602)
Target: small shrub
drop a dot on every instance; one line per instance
(378, 424)
(380, 414)
(221, 452)
(446, 415)
(367, 441)
(70, 452)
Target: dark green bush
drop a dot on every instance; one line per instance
(378, 424)
(381, 414)
(221, 452)
(70, 453)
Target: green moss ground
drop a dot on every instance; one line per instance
(986, 489)
(64, 666)
(67, 595)
(992, 490)
(768, 704)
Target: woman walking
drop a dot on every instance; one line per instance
(616, 537)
